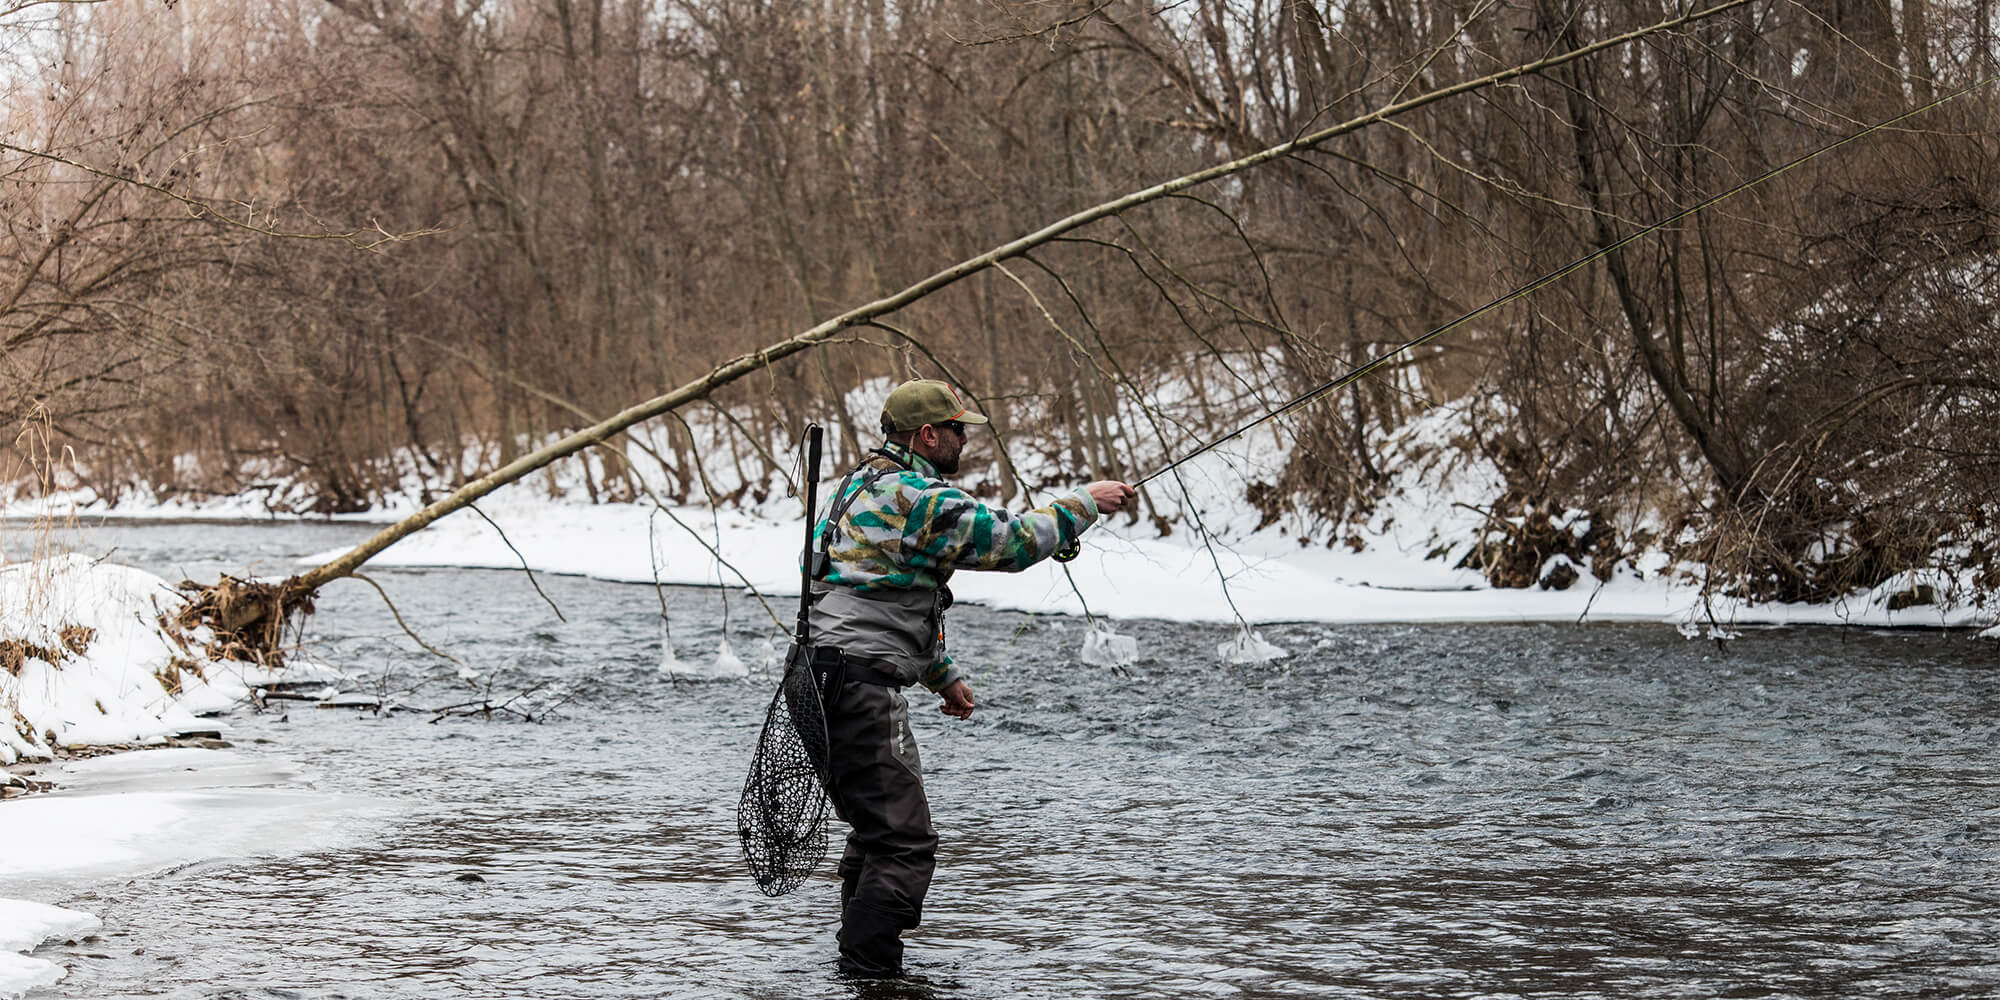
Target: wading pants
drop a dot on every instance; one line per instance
(892, 848)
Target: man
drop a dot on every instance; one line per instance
(893, 535)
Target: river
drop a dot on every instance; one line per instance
(1394, 811)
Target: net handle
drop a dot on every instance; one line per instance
(803, 633)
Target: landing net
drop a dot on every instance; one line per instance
(782, 815)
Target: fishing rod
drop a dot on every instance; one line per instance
(1351, 376)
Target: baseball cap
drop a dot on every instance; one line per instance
(925, 401)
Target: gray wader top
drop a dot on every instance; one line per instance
(898, 632)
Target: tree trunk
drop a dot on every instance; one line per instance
(1665, 369)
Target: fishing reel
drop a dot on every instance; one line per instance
(1068, 553)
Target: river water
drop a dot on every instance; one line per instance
(1395, 811)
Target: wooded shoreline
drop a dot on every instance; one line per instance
(567, 207)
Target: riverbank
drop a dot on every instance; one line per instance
(89, 665)
(1194, 549)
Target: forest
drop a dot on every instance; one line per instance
(348, 245)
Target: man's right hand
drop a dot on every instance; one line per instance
(1111, 495)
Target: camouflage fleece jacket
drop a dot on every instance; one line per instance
(908, 530)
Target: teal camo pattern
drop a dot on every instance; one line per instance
(911, 530)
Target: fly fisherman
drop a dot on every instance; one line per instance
(894, 533)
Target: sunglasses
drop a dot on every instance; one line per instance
(955, 426)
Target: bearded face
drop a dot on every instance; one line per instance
(944, 445)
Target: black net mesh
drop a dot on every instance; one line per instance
(781, 817)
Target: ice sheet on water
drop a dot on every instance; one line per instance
(1991, 633)
(130, 813)
(121, 815)
(21, 973)
(1103, 647)
(1248, 648)
(23, 926)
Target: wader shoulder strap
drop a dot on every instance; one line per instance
(823, 559)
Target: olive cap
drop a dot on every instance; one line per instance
(925, 401)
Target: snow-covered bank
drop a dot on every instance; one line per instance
(87, 662)
(1401, 567)
(1403, 563)
(1122, 573)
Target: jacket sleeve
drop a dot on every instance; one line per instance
(948, 527)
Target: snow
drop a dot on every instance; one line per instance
(124, 814)
(118, 679)
(1399, 564)
(143, 811)
(1126, 572)
(111, 682)
(23, 926)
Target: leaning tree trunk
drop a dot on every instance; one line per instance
(250, 615)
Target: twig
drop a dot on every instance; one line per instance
(433, 650)
(486, 707)
(638, 480)
(1122, 378)
(524, 563)
(199, 209)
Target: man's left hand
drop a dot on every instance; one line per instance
(957, 700)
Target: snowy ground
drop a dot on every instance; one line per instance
(1402, 571)
(88, 665)
(1218, 565)
(1122, 573)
